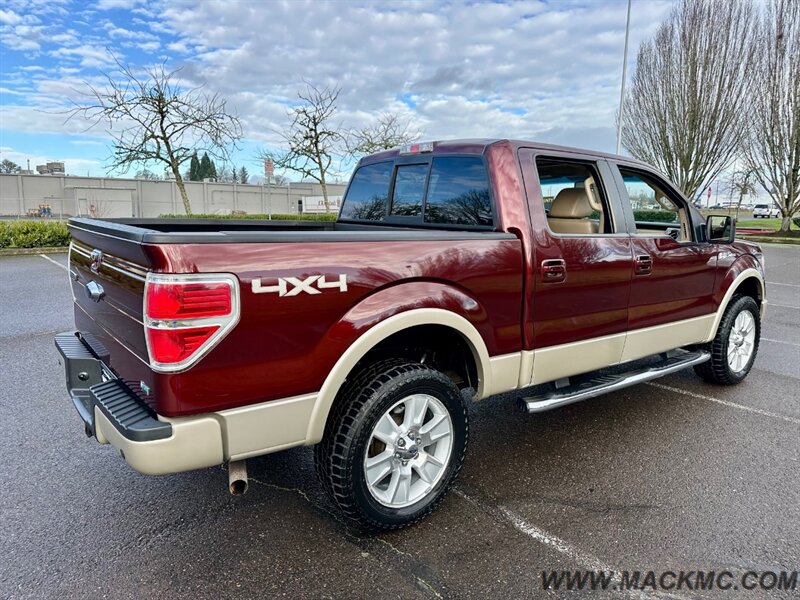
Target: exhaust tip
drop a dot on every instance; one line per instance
(238, 487)
(237, 477)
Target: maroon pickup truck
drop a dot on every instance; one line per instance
(456, 270)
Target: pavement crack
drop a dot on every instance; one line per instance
(284, 489)
(412, 570)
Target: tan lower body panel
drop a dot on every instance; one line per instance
(266, 427)
(652, 340)
(575, 358)
(195, 443)
(240, 433)
(565, 360)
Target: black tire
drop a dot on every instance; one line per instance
(340, 456)
(350, 389)
(717, 370)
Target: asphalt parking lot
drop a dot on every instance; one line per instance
(674, 475)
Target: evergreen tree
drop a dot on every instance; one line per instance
(207, 168)
(244, 176)
(194, 168)
(234, 174)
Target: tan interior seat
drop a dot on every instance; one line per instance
(570, 213)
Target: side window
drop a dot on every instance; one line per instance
(458, 193)
(409, 190)
(654, 212)
(573, 200)
(368, 193)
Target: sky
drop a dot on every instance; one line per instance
(543, 70)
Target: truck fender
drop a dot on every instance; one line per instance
(385, 324)
(734, 281)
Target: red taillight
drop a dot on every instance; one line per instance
(168, 346)
(186, 315)
(166, 301)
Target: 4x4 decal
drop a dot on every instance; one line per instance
(292, 286)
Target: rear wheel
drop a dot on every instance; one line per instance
(734, 348)
(395, 448)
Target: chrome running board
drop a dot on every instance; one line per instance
(603, 384)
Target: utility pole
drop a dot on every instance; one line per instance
(624, 76)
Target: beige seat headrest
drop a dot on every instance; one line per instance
(571, 203)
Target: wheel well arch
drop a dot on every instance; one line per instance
(749, 282)
(752, 287)
(468, 357)
(439, 346)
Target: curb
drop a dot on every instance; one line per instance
(27, 251)
(770, 240)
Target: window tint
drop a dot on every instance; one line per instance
(573, 201)
(458, 192)
(409, 190)
(652, 206)
(368, 193)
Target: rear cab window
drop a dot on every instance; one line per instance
(368, 193)
(434, 191)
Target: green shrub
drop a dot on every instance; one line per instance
(33, 234)
(658, 216)
(275, 217)
(796, 221)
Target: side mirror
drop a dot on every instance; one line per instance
(720, 229)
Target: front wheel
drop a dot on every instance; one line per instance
(395, 447)
(734, 348)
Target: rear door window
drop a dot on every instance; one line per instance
(368, 194)
(458, 192)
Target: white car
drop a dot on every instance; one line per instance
(764, 210)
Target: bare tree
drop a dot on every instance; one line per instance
(312, 139)
(152, 118)
(743, 184)
(686, 105)
(147, 174)
(388, 131)
(7, 166)
(772, 148)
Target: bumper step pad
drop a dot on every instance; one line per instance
(127, 413)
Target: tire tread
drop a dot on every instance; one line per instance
(333, 467)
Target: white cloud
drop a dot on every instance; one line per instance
(73, 165)
(24, 38)
(117, 4)
(90, 56)
(179, 47)
(530, 69)
(9, 17)
(149, 46)
(521, 69)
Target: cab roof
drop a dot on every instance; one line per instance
(479, 146)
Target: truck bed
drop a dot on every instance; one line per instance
(220, 231)
(282, 346)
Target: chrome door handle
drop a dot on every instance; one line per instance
(554, 270)
(644, 264)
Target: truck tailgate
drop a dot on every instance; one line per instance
(107, 275)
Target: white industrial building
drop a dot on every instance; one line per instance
(67, 196)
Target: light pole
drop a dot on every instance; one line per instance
(624, 75)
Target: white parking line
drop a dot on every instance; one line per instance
(786, 284)
(763, 339)
(758, 411)
(55, 262)
(548, 539)
(784, 305)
